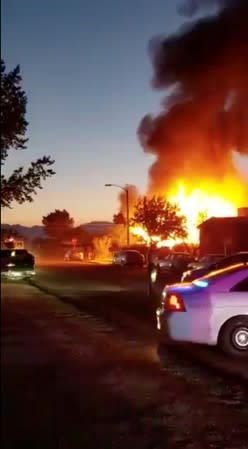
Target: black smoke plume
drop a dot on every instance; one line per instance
(204, 117)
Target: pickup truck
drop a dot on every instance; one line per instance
(17, 264)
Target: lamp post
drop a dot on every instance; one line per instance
(125, 189)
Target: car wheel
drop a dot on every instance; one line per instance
(233, 337)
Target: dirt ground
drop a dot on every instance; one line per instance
(70, 381)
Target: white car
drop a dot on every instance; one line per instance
(211, 310)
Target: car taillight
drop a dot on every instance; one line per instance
(174, 303)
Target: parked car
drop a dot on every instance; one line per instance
(17, 264)
(129, 258)
(205, 261)
(167, 270)
(211, 310)
(158, 255)
(74, 256)
(235, 258)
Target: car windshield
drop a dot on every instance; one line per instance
(211, 258)
(163, 252)
(179, 256)
(13, 252)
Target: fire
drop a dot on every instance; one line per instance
(138, 231)
(198, 204)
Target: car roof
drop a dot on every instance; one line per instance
(129, 251)
(219, 280)
(230, 269)
(223, 276)
(180, 253)
(214, 255)
(10, 250)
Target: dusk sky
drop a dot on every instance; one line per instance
(86, 71)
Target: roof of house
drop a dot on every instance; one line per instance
(224, 220)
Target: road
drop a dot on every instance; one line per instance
(80, 370)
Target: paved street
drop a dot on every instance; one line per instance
(80, 369)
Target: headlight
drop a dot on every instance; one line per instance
(10, 265)
(154, 275)
(164, 294)
(185, 274)
(15, 274)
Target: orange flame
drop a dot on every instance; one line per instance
(198, 204)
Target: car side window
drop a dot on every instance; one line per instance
(5, 254)
(241, 286)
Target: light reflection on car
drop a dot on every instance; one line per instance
(225, 262)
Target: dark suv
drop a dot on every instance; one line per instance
(17, 264)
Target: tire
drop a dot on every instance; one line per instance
(233, 338)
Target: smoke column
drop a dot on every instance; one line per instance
(133, 198)
(204, 117)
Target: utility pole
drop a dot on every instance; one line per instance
(125, 189)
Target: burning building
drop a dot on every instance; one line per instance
(203, 125)
(224, 235)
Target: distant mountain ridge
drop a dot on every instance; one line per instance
(28, 232)
(37, 231)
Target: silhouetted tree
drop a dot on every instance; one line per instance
(159, 218)
(81, 236)
(20, 186)
(58, 224)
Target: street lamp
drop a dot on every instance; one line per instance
(125, 189)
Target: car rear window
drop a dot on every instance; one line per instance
(241, 286)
